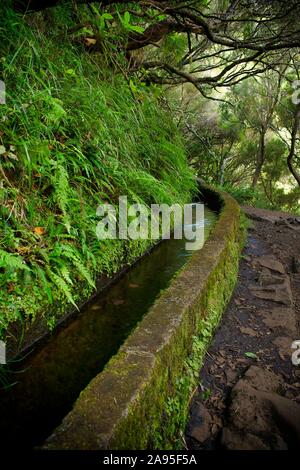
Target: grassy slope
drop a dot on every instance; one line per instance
(72, 135)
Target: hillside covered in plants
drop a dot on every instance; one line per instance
(75, 131)
(104, 99)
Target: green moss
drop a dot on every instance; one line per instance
(140, 400)
(158, 417)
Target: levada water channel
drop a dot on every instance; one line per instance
(48, 381)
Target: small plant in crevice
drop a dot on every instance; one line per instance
(206, 394)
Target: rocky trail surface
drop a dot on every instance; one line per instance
(249, 389)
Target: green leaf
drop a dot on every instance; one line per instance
(130, 27)
(107, 16)
(137, 29)
(126, 17)
(70, 72)
(251, 355)
(103, 18)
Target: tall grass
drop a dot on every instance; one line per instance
(73, 133)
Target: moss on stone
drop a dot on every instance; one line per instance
(141, 398)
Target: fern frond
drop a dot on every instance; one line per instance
(46, 285)
(84, 272)
(66, 274)
(11, 261)
(61, 193)
(62, 286)
(71, 253)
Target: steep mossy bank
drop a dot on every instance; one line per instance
(75, 132)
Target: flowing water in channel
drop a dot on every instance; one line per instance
(50, 379)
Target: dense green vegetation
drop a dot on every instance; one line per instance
(74, 133)
(242, 143)
(92, 90)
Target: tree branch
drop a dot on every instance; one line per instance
(293, 145)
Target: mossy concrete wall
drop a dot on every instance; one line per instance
(124, 407)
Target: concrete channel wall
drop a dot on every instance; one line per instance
(123, 407)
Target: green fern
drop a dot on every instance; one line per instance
(45, 283)
(62, 286)
(84, 272)
(65, 160)
(11, 261)
(72, 254)
(61, 192)
(66, 274)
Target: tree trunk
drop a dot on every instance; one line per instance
(291, 154)
(260, 157)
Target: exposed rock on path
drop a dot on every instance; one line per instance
(249, 390)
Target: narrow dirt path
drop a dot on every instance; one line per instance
(249, 392)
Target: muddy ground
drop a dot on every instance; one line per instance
(249, 389)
